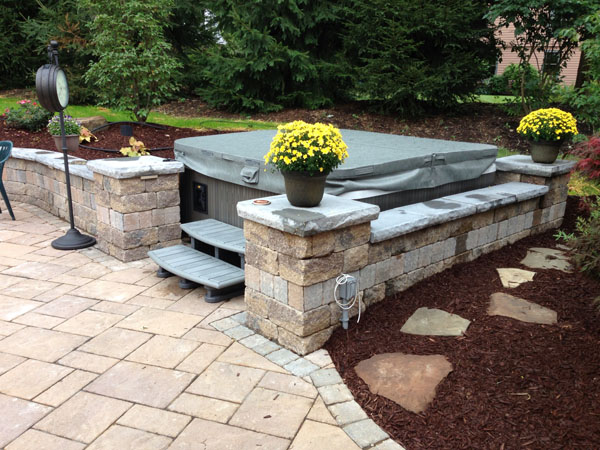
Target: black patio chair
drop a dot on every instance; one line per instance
(5, 150)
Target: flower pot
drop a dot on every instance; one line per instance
(72, 142)
(303, 189)
(544, 152)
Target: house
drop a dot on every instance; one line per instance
(539, 60)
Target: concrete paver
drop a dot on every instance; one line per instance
(92, 413)
(100, 354)
(139, 383)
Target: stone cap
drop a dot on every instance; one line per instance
(333, 213)
(139, 166)
(77, 166)
(523, 164)
(406, 219)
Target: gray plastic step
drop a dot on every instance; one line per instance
(217, 234)
(222, 280)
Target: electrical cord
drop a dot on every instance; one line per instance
(343, 279)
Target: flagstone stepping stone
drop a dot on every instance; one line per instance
(547, 258)
(512, 278)
(502, 304)
(435, 322)
(409, 380)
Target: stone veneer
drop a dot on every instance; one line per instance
(130, 204)
(293, 255)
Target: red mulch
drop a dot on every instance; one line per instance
(108, 138)
(514, 385)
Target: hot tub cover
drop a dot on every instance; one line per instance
(377, 161)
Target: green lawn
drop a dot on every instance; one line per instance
(196, 122)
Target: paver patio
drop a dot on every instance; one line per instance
(100, 354)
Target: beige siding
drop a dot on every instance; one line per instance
(569, 73)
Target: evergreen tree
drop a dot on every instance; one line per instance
(135, 69)
(274, 54)
(414, 54)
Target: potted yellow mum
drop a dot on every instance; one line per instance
(305, 154)
(546, 130)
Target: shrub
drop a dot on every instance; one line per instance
(136, 69)
(589, 152)
(27, 116)
(586, 244)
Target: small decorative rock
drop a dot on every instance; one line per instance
(512, 278)
(517, 308)
(435, 322)
(547, 258)
(409, 380)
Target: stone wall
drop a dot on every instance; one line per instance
(294, 255)
(37, 177)
(131, 205)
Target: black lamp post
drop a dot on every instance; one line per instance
(53, 94)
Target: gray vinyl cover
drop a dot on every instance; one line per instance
(380, 161)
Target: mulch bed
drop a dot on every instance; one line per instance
(514, 385)
(108, 138)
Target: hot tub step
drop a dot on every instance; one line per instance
(217, 234)
(222, 280)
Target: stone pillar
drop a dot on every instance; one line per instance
(137, 205)
(293, 256)
(551, 208)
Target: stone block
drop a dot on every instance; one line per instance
(380, 251)
(554, 196)
(102, 198)
(352, 236)
(127, 255)
(116, 220)
(533, 179)
(262, 258)
(299, 323)
(507, 177)
(266, 284)
(411, 260)
(103, 214)
(126, 186)
(162, 183)
(560, 180)
(303, 345)
(261, 325)
(503, 228)
(132, 239)
(172, 215)
(557, 211)
(280, 289)
(356, 258)
(506, 212)
(133, 202)
(168, 232)
(374, 294)
(252, 277)
(437, 251)
(367, 276)
(529, 205)
(256, 302)
(425, 254)
(449, 248)
(396, 285)
(158, 217)
(167, 198)
(305, 272)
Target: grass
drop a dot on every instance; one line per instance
(496, 99)
(199, 123)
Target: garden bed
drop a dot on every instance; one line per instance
(513, 384)
(108, 138)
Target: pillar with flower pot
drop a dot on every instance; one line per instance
(547, 129)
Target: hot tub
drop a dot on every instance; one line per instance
(383, 169)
